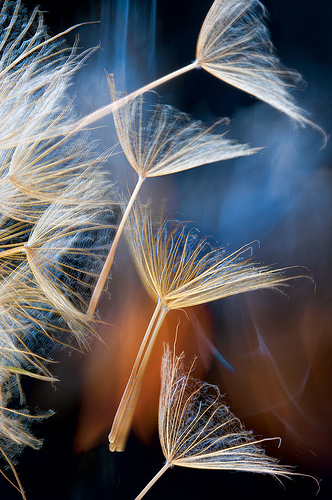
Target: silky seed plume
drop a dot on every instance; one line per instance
(197, 429)
(179, 269)
(56, 217)
(234, 45)
(163, 141)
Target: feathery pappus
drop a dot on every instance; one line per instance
(58, 219)
(179, 268)
(198, 430)
(57, 215)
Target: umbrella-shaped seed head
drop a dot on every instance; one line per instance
(164, 140)
(198, 430)
(181, 268)
(234, 45)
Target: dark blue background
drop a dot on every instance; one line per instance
(235, 207)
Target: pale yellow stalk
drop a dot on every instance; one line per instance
(153, 480)
(167, 142)
(110, 257)
(125, 412)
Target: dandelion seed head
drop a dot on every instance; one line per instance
(56, 216)
(234, 45)
(182, 269)
(197, 429)
(162, 140)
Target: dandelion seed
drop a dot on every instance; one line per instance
(180, 269)
(38, 159)
(29, 325)
(163, 142)
(56, 220)
(197, 429)
(35, 71)
(47, 178)
(234, 45)
(57, 258)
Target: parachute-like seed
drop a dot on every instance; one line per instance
(162, 140)
(197, 429)
(158, 142)
(56, 216)
(180, 269)
(234, 45)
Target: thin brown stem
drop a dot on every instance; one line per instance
(106, 110)
(153, 480)
(124, 415)
(109, 261)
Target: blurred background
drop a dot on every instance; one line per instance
(279, 346)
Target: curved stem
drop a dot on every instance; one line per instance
(153, 480)
(124, 415)
(109, 261)
(106, 110)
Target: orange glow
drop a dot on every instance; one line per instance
(108, 366)
(282, 380)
